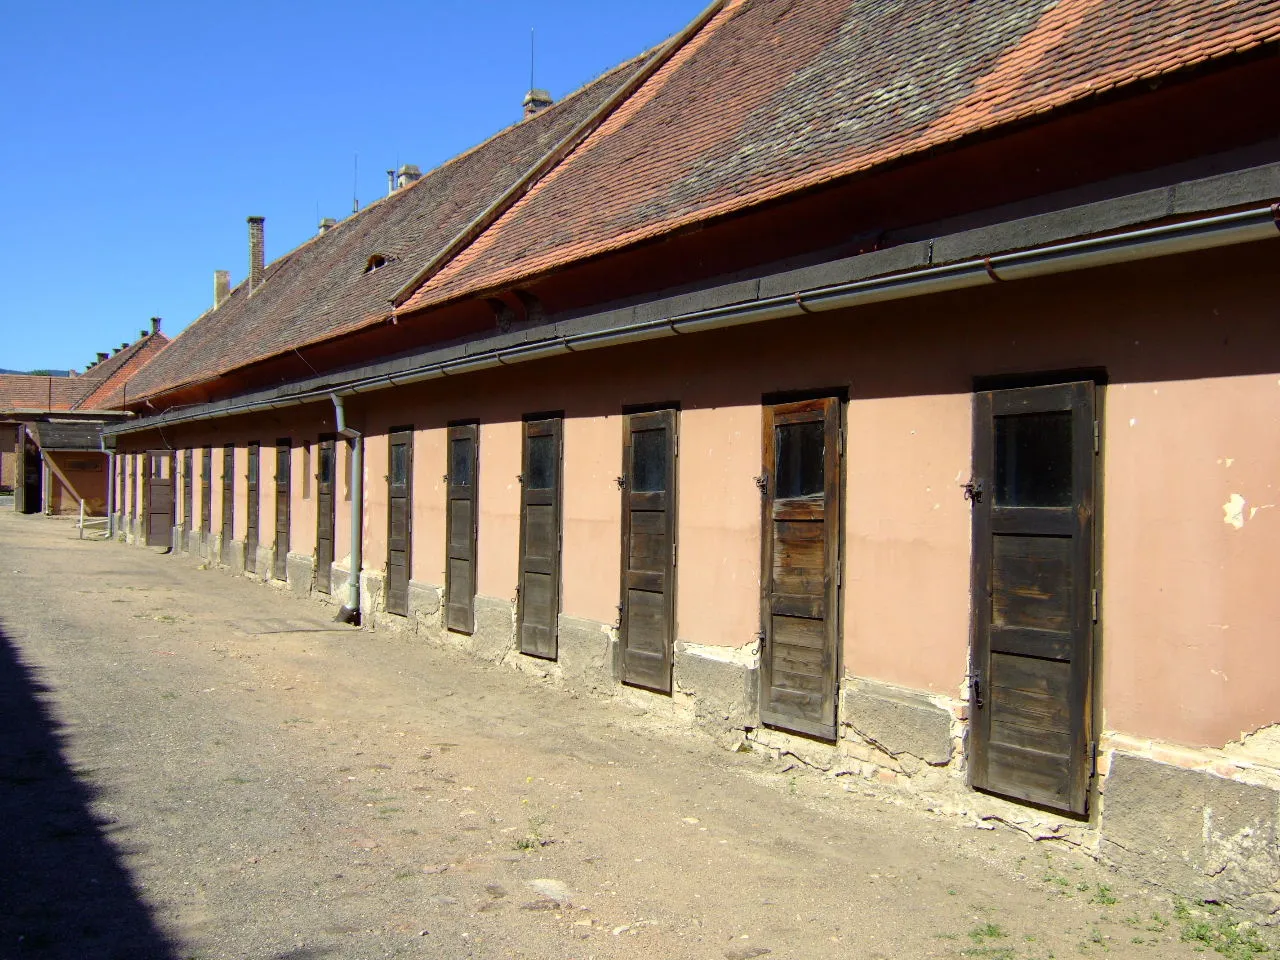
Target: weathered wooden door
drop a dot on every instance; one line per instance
(251, 508)
(1033, 593)
(187, 501)
(325, 470)
(800, 578)
(647, 613)
(399, 519)
(228, 500)
(206, 503)
(538, 600)
(284, 451)
(29, 475)
(159, 498)
(460, 521)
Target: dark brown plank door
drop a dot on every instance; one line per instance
(647, 611)
(251, 508)
(1033, 594)
(206, 485)
(159, 498)
(187, 481)
(228, 500)
(800, 606)
(460, 520)
(284, 453)
(538, 608)
(324, 514)
(399, 520)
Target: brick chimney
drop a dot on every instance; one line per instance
(257, 256)
(327, 224)
(409, 173)
(221, 287)
(535, 101)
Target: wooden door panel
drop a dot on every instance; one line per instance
(1031, 698)
(159, 498)
(538, 602)
(802, 447)
(461, 527)
(399, 519)
(228, 501)
(252, 477)
(325, 474)
(284, 462)
(647, 612)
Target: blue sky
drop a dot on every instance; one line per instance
(138, 136)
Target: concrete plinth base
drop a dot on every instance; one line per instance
(300, 572)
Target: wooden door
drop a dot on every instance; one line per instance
(159, 498)
(206, 487)
(228, 500)
(187, 501)
(647, 612)
(251, 508)
(325, 472)
(800, 579)
(284, 461)
(29, 475)
(461, 524)
(399, 519)
(1033, 594)
(538, 597)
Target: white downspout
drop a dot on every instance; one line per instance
(350, 612)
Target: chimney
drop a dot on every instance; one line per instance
(391, 182)
(221, 287)
(155, 325)
(257, 263)
(327, 224)
(408, 174)
(123, 346)
(535, 101)
(142, 334)
(102, 356)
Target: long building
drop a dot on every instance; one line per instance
(894, 387)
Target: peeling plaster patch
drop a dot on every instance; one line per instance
(1229, 461)
(1263, 743)
(1133, 421)
(1253, 511)
(1234, 510)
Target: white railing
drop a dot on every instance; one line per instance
(91, 522)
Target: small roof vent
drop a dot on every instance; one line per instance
(376, 262)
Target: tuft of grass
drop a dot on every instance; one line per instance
(1102, 894)
(986, 931)
(1214, 926)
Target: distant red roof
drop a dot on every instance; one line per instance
(21, 392)
(775, 96)
(101, 387)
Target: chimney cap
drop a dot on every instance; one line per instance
(327, 224)
(102, 356)
(255, 219)
(535, 101)
(155, 324)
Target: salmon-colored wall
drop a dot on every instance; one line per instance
(718, 554)
(302, 510)
(1192, 534)
(240, 492)
(498, 538)
(592, 519)
(267, 492)
(89, 485)
(429, 466)
(907, 540)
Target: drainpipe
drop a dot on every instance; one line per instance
(350, 612)
(111, 493)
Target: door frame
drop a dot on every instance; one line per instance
(1088, 447)
(791, 404)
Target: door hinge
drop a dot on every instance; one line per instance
(1097, 437)
(1093, 603)
(1092, 749)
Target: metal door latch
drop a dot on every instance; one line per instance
(977, 693)
(621, 482)
(973, 491)
(762, 482)
(759, 648)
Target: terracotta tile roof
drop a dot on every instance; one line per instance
(114, 375)
(22, 392)
(321, 289)
(774, 96)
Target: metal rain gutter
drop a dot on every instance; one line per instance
(1200, 234)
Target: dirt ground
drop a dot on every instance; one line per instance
(194, 765)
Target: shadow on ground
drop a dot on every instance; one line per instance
(63, 890)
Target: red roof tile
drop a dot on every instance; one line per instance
(114, 376)
(21, 392)
(775, 96)
(322, 290)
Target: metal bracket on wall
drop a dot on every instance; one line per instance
(761, 482)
